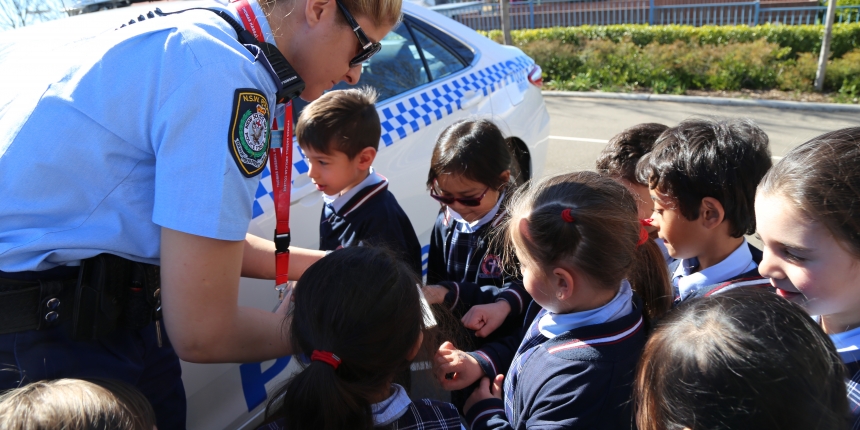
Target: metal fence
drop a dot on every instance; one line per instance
(553, 13)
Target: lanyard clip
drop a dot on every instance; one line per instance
(282, 242)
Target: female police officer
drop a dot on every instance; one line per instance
(125, 144)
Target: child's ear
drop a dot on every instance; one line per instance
(564, 284)
(366, 157)
(415, 348)
(711, 213)
(505, 177)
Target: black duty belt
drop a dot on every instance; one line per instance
(30, 303)
(104, 293)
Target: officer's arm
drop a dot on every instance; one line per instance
(258, 260)
(200, 293)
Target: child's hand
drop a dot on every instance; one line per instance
(485, 391)
(486, 318)
(435, 294)
(455, 369)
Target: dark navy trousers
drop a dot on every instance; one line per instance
(132, 356)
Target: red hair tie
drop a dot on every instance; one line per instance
(643, 236)
(326, 357)
(646, 222)
(567, 216)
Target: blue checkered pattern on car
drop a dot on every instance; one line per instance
(411, 114)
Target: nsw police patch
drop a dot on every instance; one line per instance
(250, 131)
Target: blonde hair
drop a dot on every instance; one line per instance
(76, 404)
(379, 12)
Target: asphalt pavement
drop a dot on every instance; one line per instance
(579, 128)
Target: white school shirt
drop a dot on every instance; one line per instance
(108, 136)
(687, 282)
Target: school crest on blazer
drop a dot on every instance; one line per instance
(250, 131)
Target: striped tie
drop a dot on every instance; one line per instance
(328, 212)
(530, 342)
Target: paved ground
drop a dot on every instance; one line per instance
(580, 127)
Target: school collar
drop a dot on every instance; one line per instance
(256, 12)
(847, 343)
(372, 184)
(552, 325)
(392, 408)
(464, 226)
(687, 282)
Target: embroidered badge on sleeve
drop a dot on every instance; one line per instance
(250, 131)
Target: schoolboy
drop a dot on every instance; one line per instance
(339, 134)
(703, 175)
(619, 159)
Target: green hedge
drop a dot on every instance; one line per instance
(673, 59)
(800, 38)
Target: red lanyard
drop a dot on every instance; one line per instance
(280, 164)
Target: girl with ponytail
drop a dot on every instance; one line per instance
(595, 279)
(359, 321)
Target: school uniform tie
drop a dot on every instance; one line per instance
(531, 341)
(328, 212)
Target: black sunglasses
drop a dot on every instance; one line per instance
(368, 48)
(469, 201)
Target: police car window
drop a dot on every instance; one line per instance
(395, 69)
(440, 60)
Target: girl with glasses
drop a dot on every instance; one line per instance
(470, 176)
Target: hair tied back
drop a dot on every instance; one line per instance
(567, 216)
(326, 357)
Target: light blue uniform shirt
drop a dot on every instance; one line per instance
(110, 135)
(686, 281)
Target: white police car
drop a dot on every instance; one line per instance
(431, 72)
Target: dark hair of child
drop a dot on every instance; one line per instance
(344, 120)
(76, 404)
(746, 359)
(620, 155)
(361, 304)
(475, 149)
(709, 157)
(603, 241)
(822, 178)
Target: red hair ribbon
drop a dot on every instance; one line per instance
(643, 236)
(567, 216)
(326, 357)
(646, 222)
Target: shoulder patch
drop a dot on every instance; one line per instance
(250, 131)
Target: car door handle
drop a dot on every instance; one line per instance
(471, 98)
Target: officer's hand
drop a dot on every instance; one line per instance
(485, 390)
(486, 318)
(455, 369)
(289, 299)
(435, 294)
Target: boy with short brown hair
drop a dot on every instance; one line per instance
(339, 134)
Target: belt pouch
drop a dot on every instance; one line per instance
(99, 296)
(141, 299)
